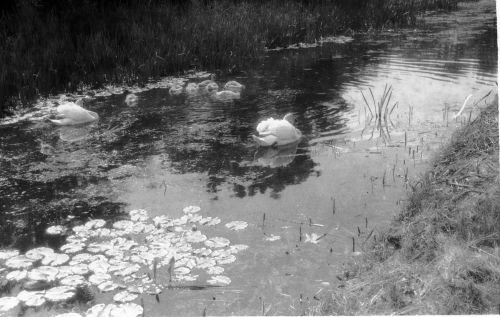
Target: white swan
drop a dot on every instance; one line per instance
(234, 86)
(69, 113)
(277, 132)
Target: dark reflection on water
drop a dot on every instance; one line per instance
(48, 173)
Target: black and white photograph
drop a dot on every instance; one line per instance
(249, 158)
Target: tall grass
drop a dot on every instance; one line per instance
(442, 255)
(49, 49)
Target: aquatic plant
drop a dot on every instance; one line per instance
(120, 255)
(380, 111)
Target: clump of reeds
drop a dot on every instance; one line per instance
(380, 111)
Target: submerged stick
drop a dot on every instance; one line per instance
(463, 107)
(353, 247)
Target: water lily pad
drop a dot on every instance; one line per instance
(124, 296)
(215, 270)
(7, 254)
(191, 209)
(182, 270)
(107, 286)
(128, 269)
(202, 252)
(19, 262)
(68, 315)
(98, 310)
(39, 253)
(82, 257)
(73, 280)
(205, 263)
(237, 248)
(55, 259)
(138, 215)
(226, 260)
(16, 275)
(236, 225)
(213, 222)
(161, 220)
(99, 266)
(127, 310)
(43, 273)
(186, 278)
(99, 278)
(80, 269)
(195, 237)
(219, 280)
(72, 247)
(99, 247)
(64, 271)
(56, 230)
(217, 242)
(125, 225)
(60, 293)
(31, 299)
(8, 303)
(194, 218)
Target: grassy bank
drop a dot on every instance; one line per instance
(49, 48)
(442, 254)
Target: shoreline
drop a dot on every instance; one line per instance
(441, 255)
(62, 49)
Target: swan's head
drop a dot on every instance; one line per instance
(212, 88)
(290, 117)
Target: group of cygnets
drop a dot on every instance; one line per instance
(270, 132)
(231, 90)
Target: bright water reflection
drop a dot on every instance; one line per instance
(165, 152)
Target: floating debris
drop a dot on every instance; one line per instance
(272, 237)
(236, 225)
(56, 230)
(313, 238)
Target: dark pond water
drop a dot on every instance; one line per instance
(345, 179)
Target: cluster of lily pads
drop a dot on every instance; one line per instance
(125, 257)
